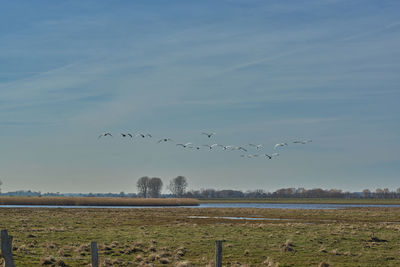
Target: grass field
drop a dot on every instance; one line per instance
(168, 237)
(98, 201)
(304, 201)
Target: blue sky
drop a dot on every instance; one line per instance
(251, 71)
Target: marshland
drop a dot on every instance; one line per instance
(97, 201)
(186, 236)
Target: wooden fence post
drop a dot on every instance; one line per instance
(94, 253)
(218, 253)
(6, 248)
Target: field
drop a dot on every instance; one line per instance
(169, 237)
(305, 201)
(98, 201)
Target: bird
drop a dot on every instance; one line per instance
(184, 145)
(302, 141)
(144, 135)
(126, 134)
(274, 154)
(268, 156)
(211, 146)
(256, 146)
(194, 147)
(104, 134)
(208, 134)
(239, 148)
(164, 140)
(226, 147)
(280, 144)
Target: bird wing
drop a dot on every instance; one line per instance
(277, 145)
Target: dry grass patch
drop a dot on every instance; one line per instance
(98, 201)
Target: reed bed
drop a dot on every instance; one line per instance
(97, 201)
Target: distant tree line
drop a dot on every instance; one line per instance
(293, 193)
(152, 187)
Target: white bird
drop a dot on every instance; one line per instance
(194, 147)
(184, 145)
(226, 147)
(164, 140)
(302, 141)
(211, 146)
(256, 146)
(208, 134)
(280, 144)
(239, 148)
(104, 134)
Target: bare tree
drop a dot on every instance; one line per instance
(366, 193)
(154, 186)
(178, 186)
(143, 186)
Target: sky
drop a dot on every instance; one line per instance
(251, 71)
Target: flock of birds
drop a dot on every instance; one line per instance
(190, 145)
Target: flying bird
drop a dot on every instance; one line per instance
(302, 141)
(164, 140)
(194, 147)
(268, 156)
(256, 146)
(144, 135)
(280, 144)
(226, 147)
(211, 146)
(104, 134)
(248, 156)
(208, 134)
(184, 145)
(126, 134)
(239, 148)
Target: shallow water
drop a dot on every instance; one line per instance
(218, 205)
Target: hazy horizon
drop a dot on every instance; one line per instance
(251, 71)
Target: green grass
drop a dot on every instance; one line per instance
(128, 237)
(303, 201)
